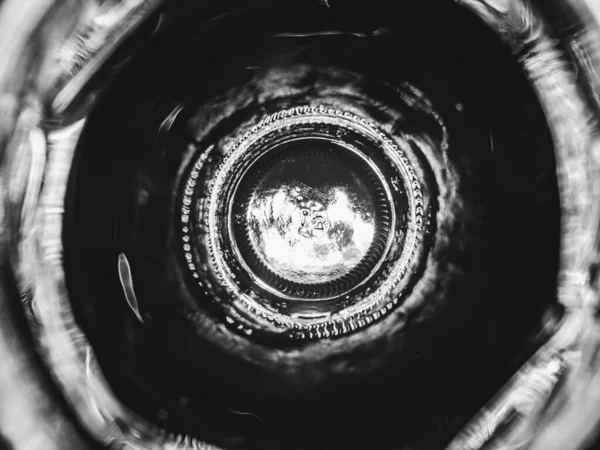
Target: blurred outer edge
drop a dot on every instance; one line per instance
(554, 400)
(33, 415)
(575, 425)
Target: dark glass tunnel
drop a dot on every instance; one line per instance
(303, 225)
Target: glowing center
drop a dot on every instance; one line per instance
(309, 213)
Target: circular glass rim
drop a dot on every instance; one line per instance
(39, 27)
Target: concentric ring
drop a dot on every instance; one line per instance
(311, 219)
(307, 282)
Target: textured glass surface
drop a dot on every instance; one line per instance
(299, 225)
